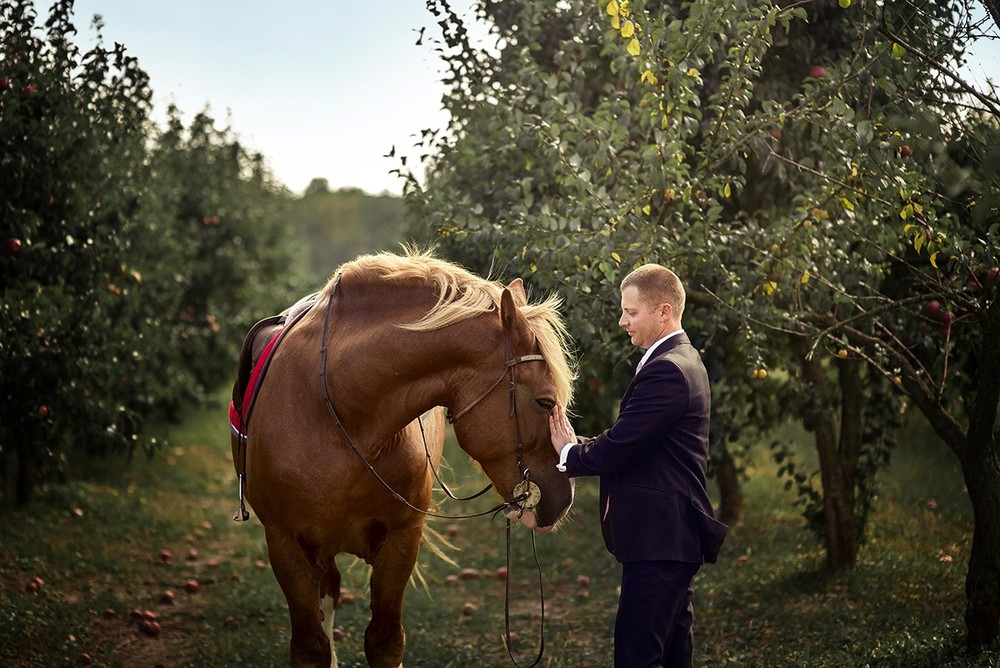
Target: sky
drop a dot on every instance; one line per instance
(322, 88)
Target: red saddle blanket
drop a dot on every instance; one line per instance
(250, 377)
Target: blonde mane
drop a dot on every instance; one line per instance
(463, 295)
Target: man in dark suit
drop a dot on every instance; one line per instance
(656, 516)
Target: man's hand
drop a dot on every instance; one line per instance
(560, 429)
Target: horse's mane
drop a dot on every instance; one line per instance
(463, 295)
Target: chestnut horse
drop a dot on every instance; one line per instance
(390, 338)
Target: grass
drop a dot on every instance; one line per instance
(95, 542)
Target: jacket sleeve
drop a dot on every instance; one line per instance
(658, 399)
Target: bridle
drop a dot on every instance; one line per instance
(526, 494)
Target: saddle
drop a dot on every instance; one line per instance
(259, 346)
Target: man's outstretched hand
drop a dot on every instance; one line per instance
(560, 429)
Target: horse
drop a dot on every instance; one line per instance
(334, 461)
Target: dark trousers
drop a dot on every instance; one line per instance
(653, 627)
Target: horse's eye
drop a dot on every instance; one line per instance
(546, 404)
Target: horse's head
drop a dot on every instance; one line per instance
(508, 430)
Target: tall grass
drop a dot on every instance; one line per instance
(96, 544)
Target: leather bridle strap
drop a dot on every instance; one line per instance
(510, 363)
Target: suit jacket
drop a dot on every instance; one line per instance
(651, 462)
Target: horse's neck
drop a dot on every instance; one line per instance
(390, 375)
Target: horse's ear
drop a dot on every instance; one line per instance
(510, 315)
(517, 289)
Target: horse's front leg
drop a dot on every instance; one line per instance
(299, 580)
(385, 640)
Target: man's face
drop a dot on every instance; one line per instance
(644, 323)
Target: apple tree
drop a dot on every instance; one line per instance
(603, 130)
(771, 161)
(72, 131)
(133, 260)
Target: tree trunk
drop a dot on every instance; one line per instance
(981, 467)
(982, 582)
(730, 494)
(838, 499)
(838, 510)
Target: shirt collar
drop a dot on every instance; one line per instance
(649, 351)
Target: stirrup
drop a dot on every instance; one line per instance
(242, 515)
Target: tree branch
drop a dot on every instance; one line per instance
(993, 7)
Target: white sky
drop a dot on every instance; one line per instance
(322, 88)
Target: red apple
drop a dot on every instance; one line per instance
(452, 530)
(192, 555)
(30, 89)
(14, 246)
(338, 635)
(4, 83)
(993, 276)
(151, 628)
(582, 581)
(469, 608)
(43, 410)
(192, 586)
(502, 573)
(817, 72)
(933, 308)
(167, 597)
(110, 613)
(905, 151)
(165, 556)
(451, 579)
(148, 615)
(469, 574)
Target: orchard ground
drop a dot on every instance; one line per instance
(142, 565)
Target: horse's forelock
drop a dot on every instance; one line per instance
(463, 295)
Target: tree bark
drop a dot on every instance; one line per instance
(981, 467)
(982, 582)
(730, 493)
(852, 415)
(838, 500)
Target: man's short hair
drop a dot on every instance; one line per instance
(657, 285)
